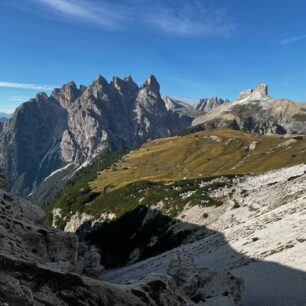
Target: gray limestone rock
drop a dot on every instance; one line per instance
(74, 125)
(206, 105)
(40, 265)
(203, 286)
(256, 112)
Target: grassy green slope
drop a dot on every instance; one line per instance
(166, 169)
(77, 192)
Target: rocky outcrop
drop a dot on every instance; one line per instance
(190, 112)
(204, 286)
(261, 89)
(25, 236)
(256, 112)
(40, 265)
(206, 105)
(75, 124)
(25, 283)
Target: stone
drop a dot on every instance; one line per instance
(262, 88)
(40, 265)
(206, 105)
(151, 83)
(203, 285)
(256, 112)
(245, 93)
(73, 126)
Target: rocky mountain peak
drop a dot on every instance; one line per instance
(125, 86)
(75, 124)
(101, 80)
(42, 96)
(206, 105)
(67, 94)
(128, 79)
(118, 84)
(132, 86)
(99, 87)
(151, 83)
(69, 88)
(82, 88)
(262, 88)
(261, 91)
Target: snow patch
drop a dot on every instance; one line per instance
(57, 171)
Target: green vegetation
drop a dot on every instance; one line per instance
(77, 192)
(171, 173)
(192, 130)
(171, 197)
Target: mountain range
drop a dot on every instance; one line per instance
(51, 137)
(73, 125)
(151, 201)
(256, 112)
(59, 133)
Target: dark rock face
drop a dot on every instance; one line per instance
(30, 142)
(74, 125)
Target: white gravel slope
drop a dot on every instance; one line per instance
(259, 234)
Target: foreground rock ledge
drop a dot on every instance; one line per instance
(40, 265)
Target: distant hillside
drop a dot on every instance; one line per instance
(208, 153)
(193, 111)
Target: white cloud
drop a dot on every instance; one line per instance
(18, 98)
(84, 10)
(26, 86)
(192, 17)
(292, 39)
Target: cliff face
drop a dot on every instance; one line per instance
(74, 125)
(206, 105)
(256, 112)
(40, 265)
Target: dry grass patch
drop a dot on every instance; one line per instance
(202, 154)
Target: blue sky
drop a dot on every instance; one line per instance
(196, 48)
